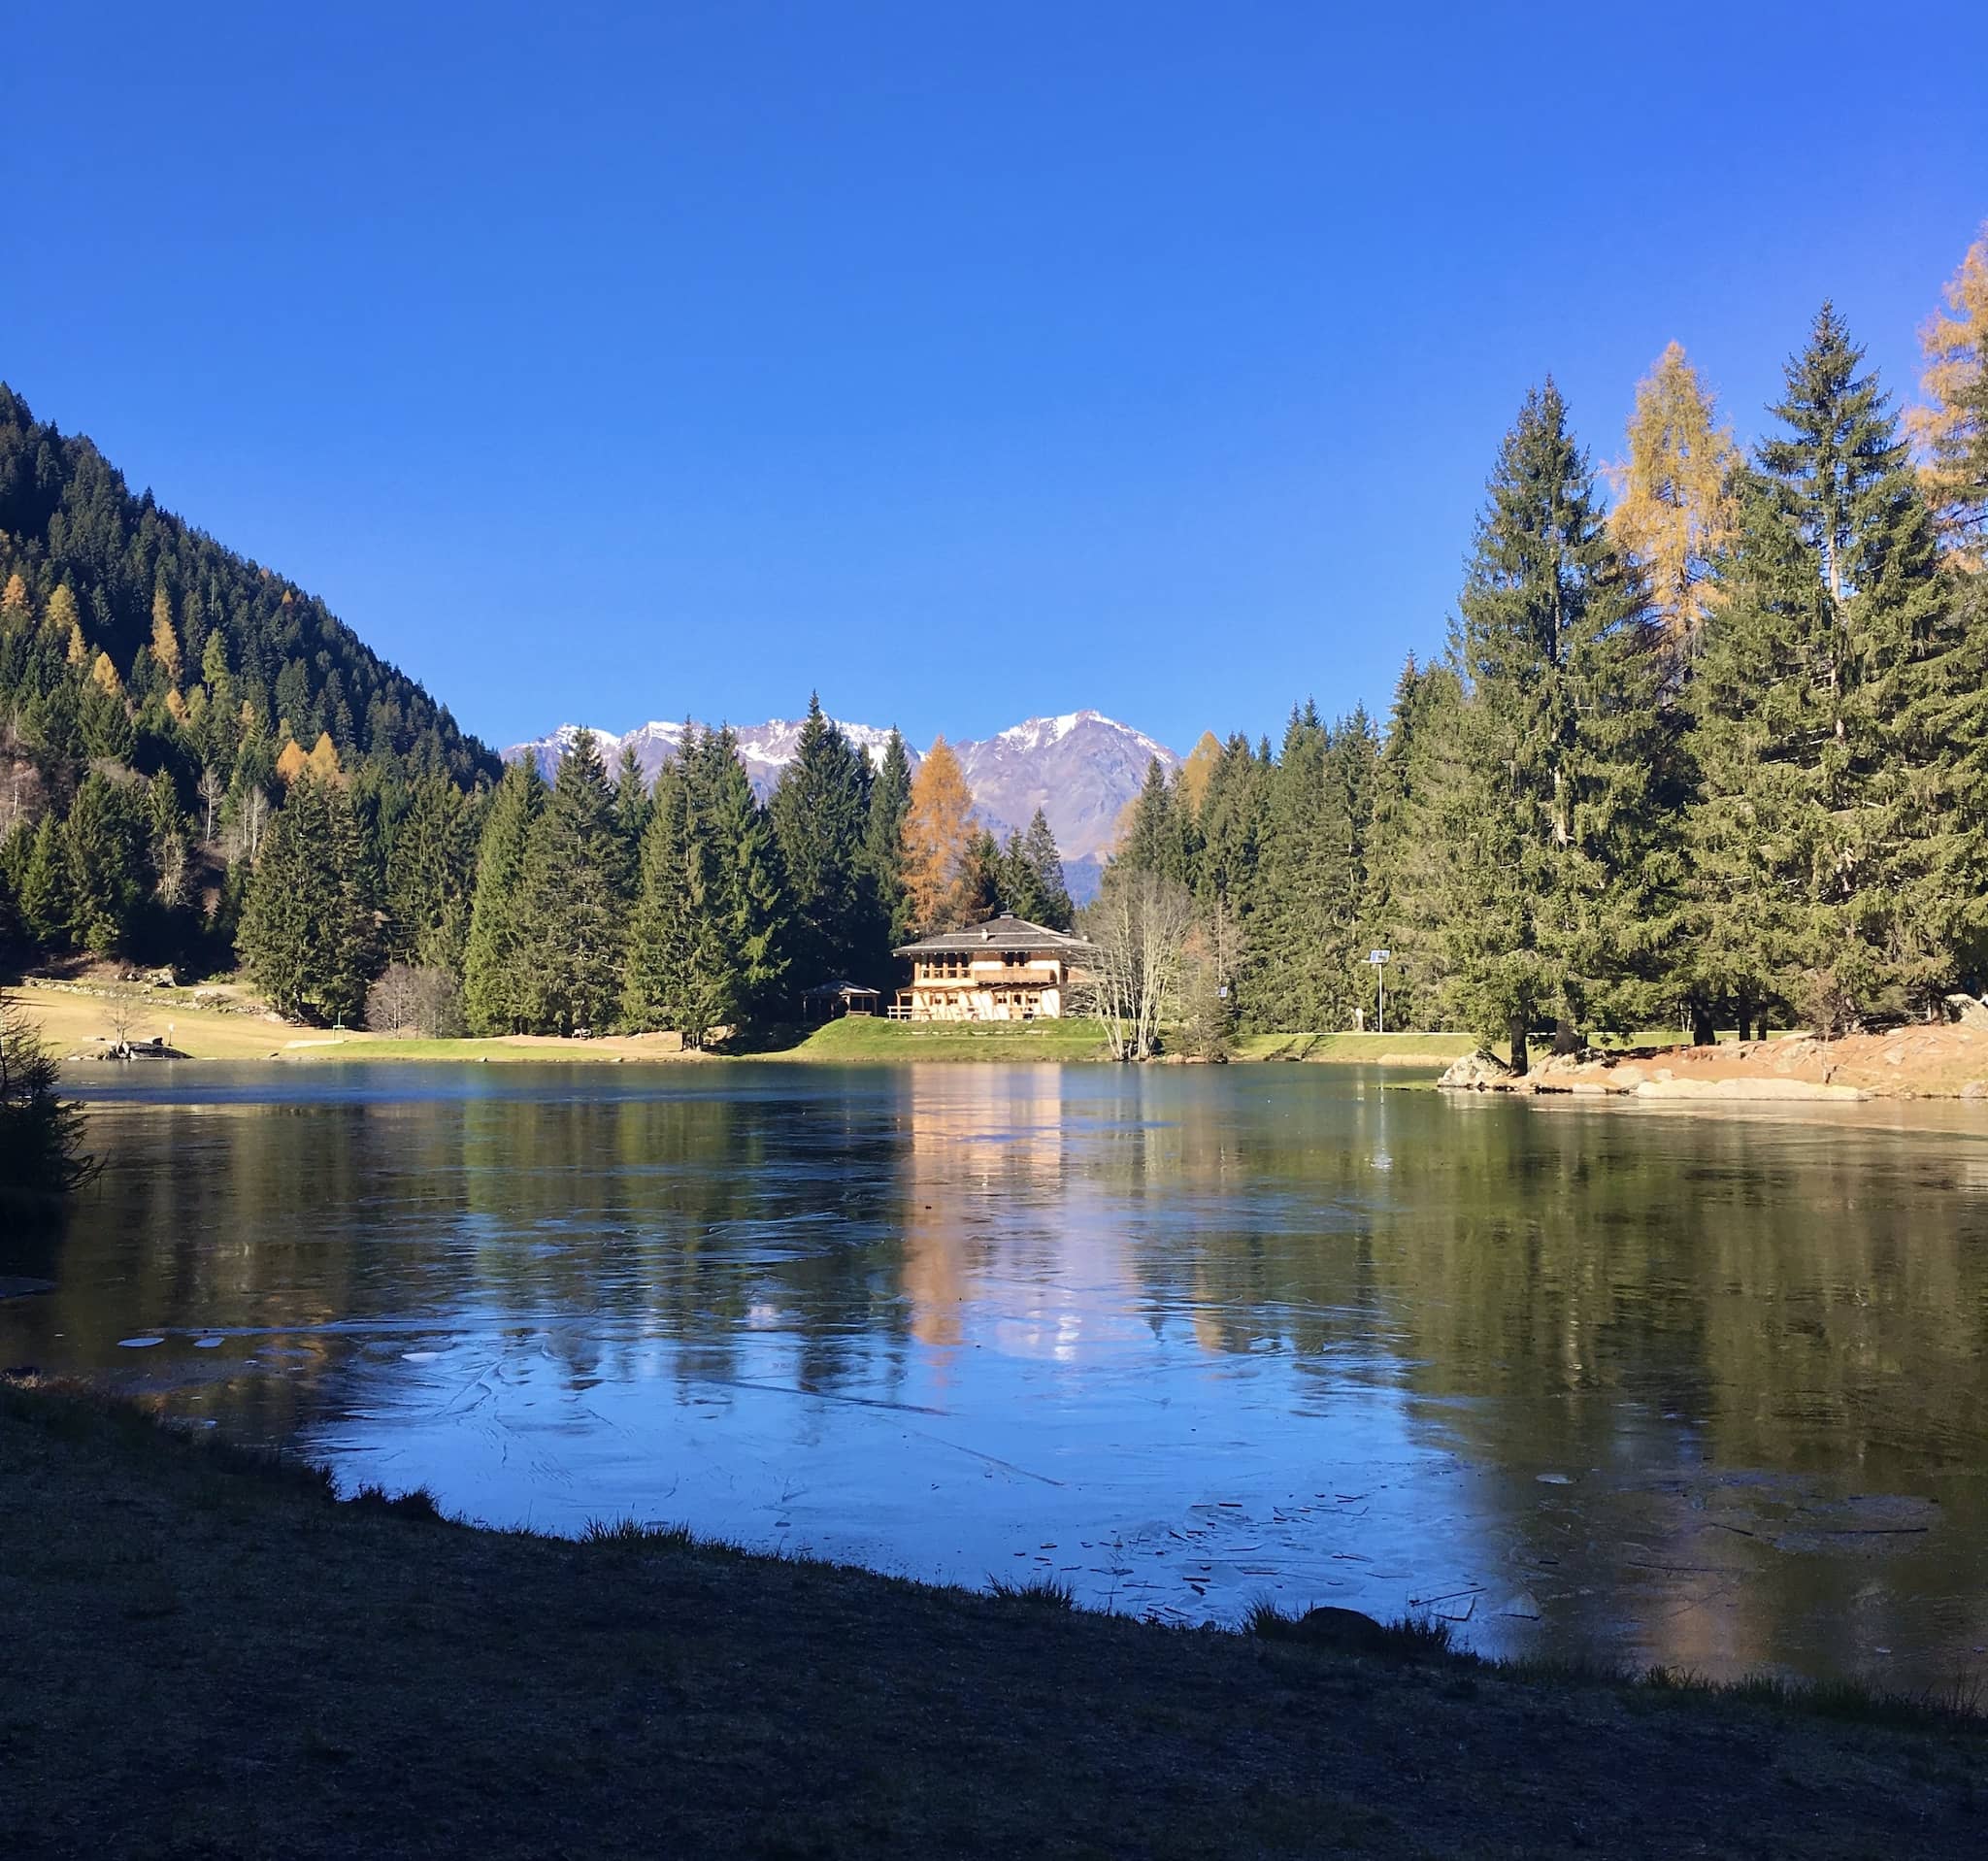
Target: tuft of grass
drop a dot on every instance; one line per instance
(1043, 1590)
(635, 1534)
(417, 1502)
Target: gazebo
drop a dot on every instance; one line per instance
(828, 1000)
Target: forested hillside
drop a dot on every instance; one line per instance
(1710, 751)
(158, 694)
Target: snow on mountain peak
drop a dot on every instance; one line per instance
(1080, 768)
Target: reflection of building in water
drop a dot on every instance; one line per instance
(1002, 1240)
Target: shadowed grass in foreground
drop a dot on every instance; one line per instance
(208, 1656)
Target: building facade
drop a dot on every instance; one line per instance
(1005, 970)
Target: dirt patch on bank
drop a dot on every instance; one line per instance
(1922, 1061)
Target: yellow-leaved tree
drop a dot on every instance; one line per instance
(1952, 427)
(106, 674)
(1198, 770)
(293, 762)
(936, 832)
(323, 758)
(165, 642)
(66, 624)
(1674, 507)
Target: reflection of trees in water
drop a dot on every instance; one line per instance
(1667, 1299)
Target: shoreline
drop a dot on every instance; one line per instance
(365, 1677)
(1943, 1061)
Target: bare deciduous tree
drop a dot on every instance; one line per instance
(415, 1001)
(1139, 925)
(212, 789)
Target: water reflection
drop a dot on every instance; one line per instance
(1602, 1379)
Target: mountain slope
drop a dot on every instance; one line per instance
(1080, 769)
(67, 518)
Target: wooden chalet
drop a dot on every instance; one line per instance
(1005, 970)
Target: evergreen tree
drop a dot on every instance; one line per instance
(107, 847)
(750, 883)
(1554, 908)
(1418, 784)
(430, 866)
(820, 814)
(1838, 859)
(633, 808)
(660, 966)
(574, 882)
(883, 861)
(305, 929)
(47, 906)
(1031, 878)
(501, 992)
(1156, 837)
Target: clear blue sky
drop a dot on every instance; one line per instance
(967, 361)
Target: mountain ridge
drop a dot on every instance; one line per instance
(1080, 767)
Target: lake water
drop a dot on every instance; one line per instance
(1604, 1380)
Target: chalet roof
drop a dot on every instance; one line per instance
(999, 934)
(838, 988)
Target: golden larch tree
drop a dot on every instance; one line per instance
(936, 832)
(1950, 428)
(323, 758)
(293, 762)
(66, 624)
(14, 598)
(165, 642)
(1198, 770)
(106, 674)
(1673, 508)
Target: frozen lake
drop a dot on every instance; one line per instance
(1603, 1379)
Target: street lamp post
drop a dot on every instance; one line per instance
(1379, 959)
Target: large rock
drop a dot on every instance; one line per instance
(1968, 1009)
(1476, 1073)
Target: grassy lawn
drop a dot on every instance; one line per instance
(1371, 1050)
(207, 1657)
(870, 1037)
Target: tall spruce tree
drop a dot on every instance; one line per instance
(1158, 832)
(1419, 783)
(501, 992)
(1555, 907)
(741, 948)
(658, 971)
(883, 861)
(1032, 884)
(820, 814)
(307, 927)
(575, 883)
(1839, 853)
(634, 804)
(108, 846)
(429, 875)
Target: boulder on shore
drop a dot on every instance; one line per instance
(1968, 1009)
(1476, 1071)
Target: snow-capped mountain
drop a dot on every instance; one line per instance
(1080, 769)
